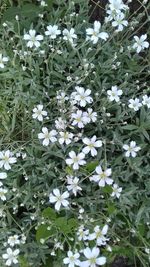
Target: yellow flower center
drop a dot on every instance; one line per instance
(92, 260)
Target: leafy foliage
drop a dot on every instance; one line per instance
(38, 76)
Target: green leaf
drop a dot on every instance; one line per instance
(145, 125)
(13, 121)
(146, 135)
(43, 232)
(141, 229)
(69, 170)
(73, 223)
(23, 262)
(140, 213)
(92, 165)
(107, 189)
(62, 224)
(11, 13)
(49, 3)
(130, 127)
(142, 114)
(123, 251)
(49, 263)
(30, 10)
(49, 213)
(111, 208)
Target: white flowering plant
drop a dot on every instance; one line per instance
(74, 135)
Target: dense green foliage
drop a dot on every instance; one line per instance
(36, 76)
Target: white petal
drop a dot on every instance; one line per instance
(86, 150)
(93, 152)
(98, 169)
(101, 260)
(103, 35)
(58, 205)
(46, 142)
(109, 181)
(39, 37)
(105, 230)
(69, 161)
(52, 199)
(41, 136)
(72, 154)
(65, 195)
(87, 253)
(3, 175)
(65, 203)
(66, 261)
(98, 143)
(56, 192)
(101, 183)
(75, 166)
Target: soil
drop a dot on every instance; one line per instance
(97, 10)
(121, 262)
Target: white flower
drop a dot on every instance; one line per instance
(39, 113)
(114, 94)
(140, 43)
(103, 176)
(23, 239)
(75, 160)
(135, 104)
(92, 116)
(11, 256)
(33, 39)
(47, 136)
(80, 118)
(117, 5)
(99, 235)
(94, 34)
(2, 193)
(3, 175)
(90, 145)
(13, 240)
(69, 35)
(52, 31)
(59, 198)
(82, 233)
(73, 101)
(3, 60)
(93, 258)
(73, 184)
(65, 137)
(116, 191)
(146, 101)
(119, 22)
(43, 3)
(60, 124)
(6, 158)
(131, 149)
(72, 259)
(111, 15)
(83, 96)
(61, 96)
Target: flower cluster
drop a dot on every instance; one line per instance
(116, 14)
(75, 119)
(135, 104)
(33, 39)
(12, 253)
